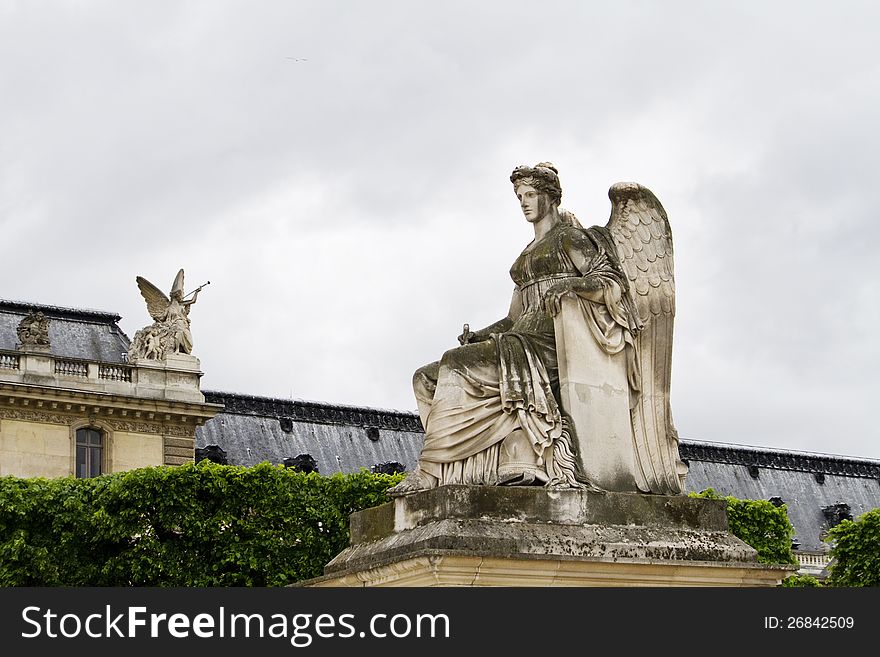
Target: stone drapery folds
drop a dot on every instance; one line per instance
(571, 389)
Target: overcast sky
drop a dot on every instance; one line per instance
(339, 172)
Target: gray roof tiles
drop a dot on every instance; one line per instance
(340, 438)
(803, 495)
(73, 333)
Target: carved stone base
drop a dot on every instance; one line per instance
(37, 365)
(176, 378)
(34, 348)
(185, 362)
(532, 536)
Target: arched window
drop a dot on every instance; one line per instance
(89, 452)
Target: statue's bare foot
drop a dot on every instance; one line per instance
(415, 481)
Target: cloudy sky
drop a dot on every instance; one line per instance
(339, 172)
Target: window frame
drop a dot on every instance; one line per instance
(106, 438)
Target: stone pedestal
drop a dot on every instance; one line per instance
(37, 364)
(501, 536)
(174, 378)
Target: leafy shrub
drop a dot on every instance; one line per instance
(855, 551)
(800, 580)
(760, 524)
(194, 525)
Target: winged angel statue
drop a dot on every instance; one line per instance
(571, 388)
(170, 331)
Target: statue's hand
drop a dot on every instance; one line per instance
(553, 296)
(467, 336)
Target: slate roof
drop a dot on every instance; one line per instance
(73, 332)
(340, 438)
(807, 483)
(347, 438)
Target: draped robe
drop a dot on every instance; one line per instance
(478, 394)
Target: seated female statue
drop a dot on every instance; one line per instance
(490, 407)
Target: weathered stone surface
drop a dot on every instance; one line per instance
(33, 331)
(177, 460)
(442, 568)
(537, 505)
(183, 452)
(571, 388)
(174, 378)
(538, 530)
(185, 443)
(169, 334)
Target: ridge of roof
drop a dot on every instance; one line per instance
(72, 313)
(315, 411)
(779, 459)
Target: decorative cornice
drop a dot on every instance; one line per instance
(63, 406)
(133, 426)
(82, 314)
(45, 417)
(779, 460)
(177, 430)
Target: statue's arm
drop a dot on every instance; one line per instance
(502, 325)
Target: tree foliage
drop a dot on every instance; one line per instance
(760, 524)
(793, 581)
(855, 551)
(195, 525)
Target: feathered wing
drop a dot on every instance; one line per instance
(157, 302)
(640, 230)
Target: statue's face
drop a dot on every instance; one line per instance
(535, 204)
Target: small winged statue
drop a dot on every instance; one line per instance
(170, 331)
(571, 388)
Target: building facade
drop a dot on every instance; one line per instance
(71, 404)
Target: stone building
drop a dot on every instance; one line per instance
(75, 406)
(71, 404)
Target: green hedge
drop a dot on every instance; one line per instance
(797, 581)
(194, 525)
(215, 525)
(855, 545)
(760, 524)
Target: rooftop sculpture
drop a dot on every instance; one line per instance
(33, 330)
(170, 331)
(571, 388)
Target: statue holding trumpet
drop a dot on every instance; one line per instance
(170, 331)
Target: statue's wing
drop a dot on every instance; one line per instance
(157, 302)
(640, 230)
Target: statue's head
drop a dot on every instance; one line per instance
(543, 177)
